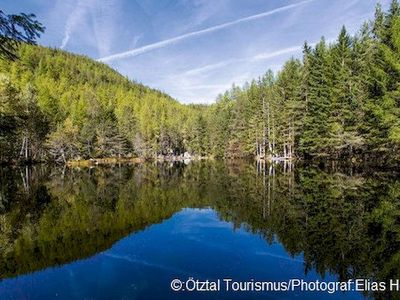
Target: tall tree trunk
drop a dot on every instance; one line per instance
(26, 149)
(21, 153)
(273, 136)
(269, 130)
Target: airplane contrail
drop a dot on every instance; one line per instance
(72, 21)
(161, 44)
(258, 57)
(262, 56)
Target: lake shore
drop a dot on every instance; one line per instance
(132, 160)
(103, 161)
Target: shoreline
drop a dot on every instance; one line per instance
(103, 161)
(135, 160)
(92, 162)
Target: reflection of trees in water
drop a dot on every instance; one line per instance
(343, 221)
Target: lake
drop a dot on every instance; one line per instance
(128, 231)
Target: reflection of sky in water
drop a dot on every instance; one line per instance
(193, 243)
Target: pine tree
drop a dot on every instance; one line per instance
(17, 29)
(316, 137)
(289, 84)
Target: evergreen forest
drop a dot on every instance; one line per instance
(341, 100)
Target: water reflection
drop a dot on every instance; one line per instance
(342, 221)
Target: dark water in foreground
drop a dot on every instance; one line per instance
(125, 232)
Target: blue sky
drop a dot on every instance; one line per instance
(192, 49)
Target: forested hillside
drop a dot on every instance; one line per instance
(62, 106)
(340, 101)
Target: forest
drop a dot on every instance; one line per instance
(341, 100)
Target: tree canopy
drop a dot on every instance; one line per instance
(339, 101)
(16, 29)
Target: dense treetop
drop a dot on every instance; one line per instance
(341, 100)
(66, 106)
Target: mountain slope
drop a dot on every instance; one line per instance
(75, 107)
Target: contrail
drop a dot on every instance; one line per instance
(161, 44)
(276, 53)
(258, 57)
(77, 14)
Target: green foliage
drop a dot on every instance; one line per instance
(78, 108)
(16, 29)
(63, 142)
(341, 101)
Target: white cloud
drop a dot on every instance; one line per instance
(73, 21)
(103, 24)
(164, 43)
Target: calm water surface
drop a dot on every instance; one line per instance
(124, 232)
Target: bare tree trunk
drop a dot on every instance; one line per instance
(273, 136)
(26, 148)
(269, 130)
(264, 128)
(63, 156)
